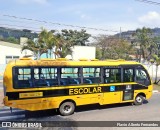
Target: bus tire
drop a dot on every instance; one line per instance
(66, 108)
(139, 100)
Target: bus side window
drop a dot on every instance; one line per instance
(70, 76)
(112, 75)
(91, 75)
(23, 78)
(128, 75)
(45, 77)
(142, 77)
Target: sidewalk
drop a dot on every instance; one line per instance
(1, 98)
(1, 94)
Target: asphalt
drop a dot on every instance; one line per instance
(149, 111)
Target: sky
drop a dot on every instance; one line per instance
(110, 15)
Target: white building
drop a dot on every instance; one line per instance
(82, 52)
(10, 51)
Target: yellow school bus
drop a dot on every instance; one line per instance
(63, 84)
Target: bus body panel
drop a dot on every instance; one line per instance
(33, 98)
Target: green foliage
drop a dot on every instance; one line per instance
(36, 47)
(48, 40)
(76, 37)
(112, 48)
(62, 46)
(156, 60)
(12, 40)
(98, 53)
(6, 32)
(147, 46)
(58, 43)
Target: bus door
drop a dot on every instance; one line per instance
(112, 83)
(128, 83)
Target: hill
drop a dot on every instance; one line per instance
(13, 35)
(128, 34)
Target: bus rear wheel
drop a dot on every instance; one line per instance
(139, 100)
(67, 108)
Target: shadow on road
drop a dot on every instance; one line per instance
(47, 113)
(53, 112)
(42, 113)
(97, 106)
(145, 102)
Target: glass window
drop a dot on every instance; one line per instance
(128, 75)
(24, 74)
(49, 73)
(112, 75)
(142, 77)
(45, 77)
(70, 76)
(91, 75)
(22, 78)
(69, 72)
(141, 74)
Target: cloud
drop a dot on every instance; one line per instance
(32, 1)
(86, 17)
(150, 19)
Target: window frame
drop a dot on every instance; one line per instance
(46, 80)
(15, 76)
(133, 77)
(112, 67)
(99, 78)
(147, 74)
(63, 79)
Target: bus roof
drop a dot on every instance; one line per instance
(65, 62)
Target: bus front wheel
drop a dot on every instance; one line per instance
(139, 100)
(67, 108)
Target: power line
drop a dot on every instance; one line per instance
(149, 2)
(59, 24)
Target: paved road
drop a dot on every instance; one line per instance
(150, 111)
(1, 85)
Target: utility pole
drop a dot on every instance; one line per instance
(120, 36)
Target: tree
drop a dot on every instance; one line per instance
(76, 37)
(37, 48)
(157, 61)
(143, 38)
(58, 43)
(62, 46)
(12, 40)
(112, 47)
(48, 40)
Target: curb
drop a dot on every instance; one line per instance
(155, 91)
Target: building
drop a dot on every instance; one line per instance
(82, 52)
(10, 51)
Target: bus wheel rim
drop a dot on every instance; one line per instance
(67, 108)
(139, 99)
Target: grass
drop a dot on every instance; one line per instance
(156, 87)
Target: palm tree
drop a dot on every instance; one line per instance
(143, 37)
(157, 61)
(62, 47)
(37, 48)
(48, 39)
